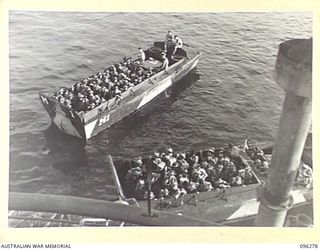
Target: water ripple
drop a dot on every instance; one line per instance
(231, 94)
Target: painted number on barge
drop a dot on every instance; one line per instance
(104, 119)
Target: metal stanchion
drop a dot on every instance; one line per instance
(293, 72)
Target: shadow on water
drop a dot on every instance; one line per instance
(161, 103)
(67, 152)
(140, 118)
(178, 88)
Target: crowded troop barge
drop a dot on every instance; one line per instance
(217, 185)
(227, 195)
(88, 123)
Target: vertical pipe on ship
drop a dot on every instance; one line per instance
(293, 72)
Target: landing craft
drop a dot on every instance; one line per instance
(228, 205)
(85, 125)
(233, 206)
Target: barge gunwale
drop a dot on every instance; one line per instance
(120, 167)
(88, 124)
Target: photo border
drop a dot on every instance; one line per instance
(154, 234)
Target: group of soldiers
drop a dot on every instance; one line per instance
(176, 174)
(304, 175)
(258, 157)
(89, 93)
(172, 40)
(94, 90)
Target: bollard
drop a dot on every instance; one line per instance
(293, 72)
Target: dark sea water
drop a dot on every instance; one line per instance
(229, 96)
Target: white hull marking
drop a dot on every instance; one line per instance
(247, 209)
(104, 119)
(251, 207)
(89, 128)
(166, 83)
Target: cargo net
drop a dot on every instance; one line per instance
(175, 174)
(94, 90)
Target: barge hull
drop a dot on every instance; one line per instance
(68, 121)
(137, 99)
(87, 125)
